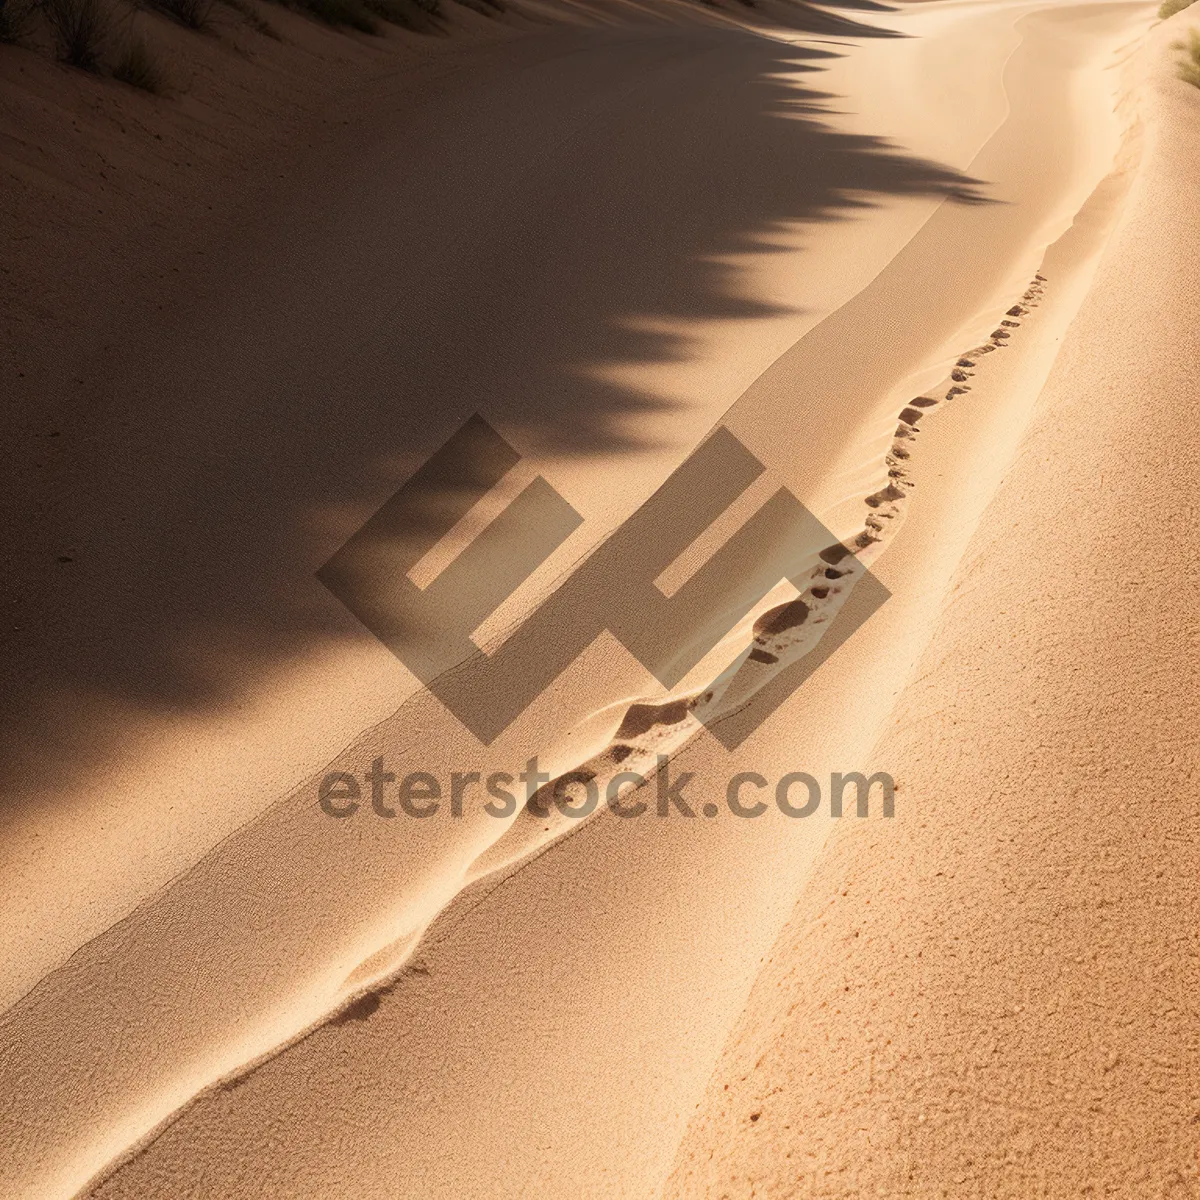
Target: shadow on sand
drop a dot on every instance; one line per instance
(494, 251)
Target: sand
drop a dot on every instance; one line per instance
(218, 992)
(995, 995)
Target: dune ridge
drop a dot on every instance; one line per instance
(998, 997)
(367, 1002)
(778, 636)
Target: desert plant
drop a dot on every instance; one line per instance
(1169, 8)
(361, 14)
(81, 28)
(340, 12)
(1189, 68)
(14, 20)
(408, 14)
(194, 14)
(138, 67)
(254, 18)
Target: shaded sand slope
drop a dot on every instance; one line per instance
(515, 236)
(519, 238)
(995, 994)
(234, 319)
(559, 1021)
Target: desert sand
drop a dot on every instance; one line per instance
(934, 266)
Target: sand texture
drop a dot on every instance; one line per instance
(934, 267)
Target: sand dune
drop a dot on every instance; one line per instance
(995, 995)
(627, 236)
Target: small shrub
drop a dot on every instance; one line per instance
(340, 12)
(138, 68)
(254, 18)
(14, 20)
(81, 28)
(361, 14)
(408, 14)
(194, 14)
(392, 11)
(1189, 69)
(1169, 8)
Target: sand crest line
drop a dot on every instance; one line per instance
(782, 635)
(652, 730)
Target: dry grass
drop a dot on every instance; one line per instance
(193, 14)
(362, 14)
(92, 34)
(350, 13)
(138, 67)
(82, 30)
(14, 20)
(408, 14)
(254, 18)
(86, 33)
(1189, 68)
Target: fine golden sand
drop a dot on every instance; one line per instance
(942, 285)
